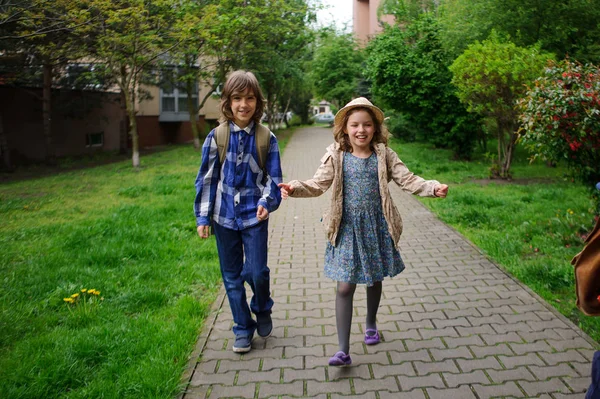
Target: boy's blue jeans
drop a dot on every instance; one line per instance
(243, 258)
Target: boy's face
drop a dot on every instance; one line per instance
(243, 105)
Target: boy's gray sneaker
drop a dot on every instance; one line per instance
(264, 325)
(242, 344)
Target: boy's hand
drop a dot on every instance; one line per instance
(441, 190)
(262, 213)
(203, 231)
(286, 190)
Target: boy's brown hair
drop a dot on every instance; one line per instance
(237, 82)
(339, 130)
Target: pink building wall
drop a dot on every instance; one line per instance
(365, 21)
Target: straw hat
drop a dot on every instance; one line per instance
(359, 102)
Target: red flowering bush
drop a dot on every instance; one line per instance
(560, 117)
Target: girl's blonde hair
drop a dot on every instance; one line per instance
(339, 130)
(238, 82)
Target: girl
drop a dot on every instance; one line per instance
(363, 225)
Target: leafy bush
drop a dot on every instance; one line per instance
(400, 127)
(408, 72)
(560, 115)
(490, 77)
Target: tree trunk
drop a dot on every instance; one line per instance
(123, 126)
(128, 85)
(4, 150)
(47, 113)
(130, 102)
(193, 111)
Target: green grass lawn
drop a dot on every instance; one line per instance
(129, 234)
(531, 226)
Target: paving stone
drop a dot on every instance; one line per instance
(456, 379)
(548, 386)
(267, 389)
(529, 359)
(579, 384)
(538, 346)
(366, 395)
(317, 374)
(424, 368)
(227, 365)
(560, 357)
(295, 363)
(463, 392)
(472, 340)
(414, 394)
(237, 391)
(340, 387)
(272, 376)
(517, 374)
(213, 378)
(454, 353)
(413, 355)
(406, 369)
(483, 351)
(427, 381)
(506, 390)
(479, 364)
(388, 384)
(438, 332)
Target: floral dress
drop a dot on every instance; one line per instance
(364, 251)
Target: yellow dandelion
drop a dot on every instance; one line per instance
(68, 300)
(75, 295)
(84, 290)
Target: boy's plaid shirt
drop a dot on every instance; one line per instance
(229, 194)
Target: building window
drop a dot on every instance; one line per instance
(94, 139)
(173, 97)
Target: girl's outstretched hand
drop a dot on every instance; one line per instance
(286, 190)
(441, 190)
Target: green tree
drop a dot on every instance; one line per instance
(563, 27)
(129, 37)
(490, 76)
(560, 116)
(45, 32)
(211, 35)
(277, 48)
(336, 67)
(407, 69)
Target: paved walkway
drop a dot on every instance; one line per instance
(453, 324)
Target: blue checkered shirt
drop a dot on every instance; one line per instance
(230, 194)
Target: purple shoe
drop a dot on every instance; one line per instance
(340, 359)
(371, 339)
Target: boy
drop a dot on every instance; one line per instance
(236, 195)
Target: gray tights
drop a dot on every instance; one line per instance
(343, 310)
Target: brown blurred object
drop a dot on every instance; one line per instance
(587, 274)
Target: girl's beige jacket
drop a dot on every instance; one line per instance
(330, 174)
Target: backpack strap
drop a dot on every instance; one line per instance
(222, 139)
(262, 140)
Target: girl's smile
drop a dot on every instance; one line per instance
(360, 130)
